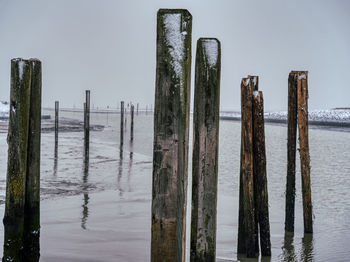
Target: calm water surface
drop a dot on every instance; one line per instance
(103, 213)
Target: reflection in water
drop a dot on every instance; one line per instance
(55, 159)
(130, 164)
(86, 195)
(243, 258)
(288, 251)
(307, 252)
(120, 170)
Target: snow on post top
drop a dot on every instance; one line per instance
(175, 40)
(211, 48)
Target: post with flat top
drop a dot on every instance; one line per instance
(205, 150)
(87, 125)
(171, 127)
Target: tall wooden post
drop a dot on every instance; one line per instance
(291, 151)
(171, 127)
(132, 124)
(56, 127)
(246, 229)
(260, 177)
(17, 158)
(303, 128)
(87, 125)
(205, 150)
(137, 109)
(31, 237)
(121, 123)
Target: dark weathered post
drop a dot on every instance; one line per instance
(31, 237)
(126, 119)
(171, 127)
(146, 109)
(137, 109)
(205, 150)
(260, 178)
(87, 125)
(246, 173)
(17, 158)
(303, 128)
(56, 127)
(291, 151)
(132, 123)
(121, 123)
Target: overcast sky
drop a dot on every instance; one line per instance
(109, 46)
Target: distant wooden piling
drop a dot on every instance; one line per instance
(171, 127)
(56, 127)
(121, 123)
(137, 109)
(31, 237)
(132, 123)
(260, 177)
(205, 150)
(87, 125)
(303, 128)
(246, 229)
(291, 152)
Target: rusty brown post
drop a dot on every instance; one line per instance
(303, 128)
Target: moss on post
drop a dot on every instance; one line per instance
(32, 197)
(205, 150)
(171, 127)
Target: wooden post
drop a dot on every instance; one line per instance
(87, 125)
(56, 127)
(171, 127)
(260, 178)
(146, 109)
(303, 128)
(17, 158)
(247, 212)
(126, 120)
(137, 109)
(205, 150)
(31, 237)
(132, 124)
(121, 123)
(291, 151)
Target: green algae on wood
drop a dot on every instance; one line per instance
(171, 132)
(31, 241)
(205, 150)
(23, 165)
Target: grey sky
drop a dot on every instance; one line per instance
(109, 47)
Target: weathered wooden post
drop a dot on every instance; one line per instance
(87, 125)
(260, 177)
(31, 237)
(56, 127)
(137, 109)
(146, 109)
(171, 127)
(132, 124)
(17, 158)
(126, 120)
(121, 123)
(303, 128)
(205, 150)
(291, 151)
(246, 227)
